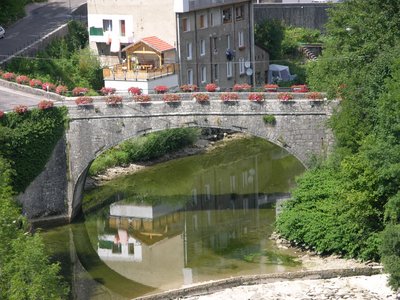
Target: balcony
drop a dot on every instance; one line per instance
(139, 73)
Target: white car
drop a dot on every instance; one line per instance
(2, 32)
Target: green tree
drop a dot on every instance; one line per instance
(269, 35)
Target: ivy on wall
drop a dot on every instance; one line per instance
(27, 141)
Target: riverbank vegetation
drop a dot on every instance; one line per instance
(26, 142)
(349, 204)
(148, 147)
(65, 61)
(10, 11)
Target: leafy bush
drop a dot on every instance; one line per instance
(293, 36)
(390, 252)
(269, 36)
(269, 119)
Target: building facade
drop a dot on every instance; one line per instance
(115, 24)
(216, 43)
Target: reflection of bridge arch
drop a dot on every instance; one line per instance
(300, 129)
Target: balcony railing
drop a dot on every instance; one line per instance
(140, 73)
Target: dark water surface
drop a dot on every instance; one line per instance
(194, 219)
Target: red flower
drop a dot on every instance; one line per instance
(257, 97)
(171, 98)
(61, 90)
(45, 104)
(47, 86)
(201, 97)
(113, 100)
(9, 76)
(141, 98)
(135, 91)
(84, 100)
(1, 114)
(241, 87)
(161, 89)
(188, 88)
(107, 91)
(314, 96)
(211, 87)
(301, 88)
(271, 87)
(229, 97)
(22, 79)
(285, 96)
(35, 83)
(79, 91)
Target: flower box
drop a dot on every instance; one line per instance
(135, 90)
(114, 100)
(45, 104)
(285, 97)
(211, 87)
(228, 97)
(22, 79)
(61, 90)
(79, 91)
(242, 87)
(84, 101)
(161, 89)
(201, 97)
(9, 76)
(49, 87)
(315, 96)
(189, 88)
(35, 83)
(256, 97)
(107, 91)
(301, 88)
(171, 98)
(271, 88)
(142, 98)
(21, 109)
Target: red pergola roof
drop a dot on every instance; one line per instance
(157, 44)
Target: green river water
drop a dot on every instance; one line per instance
(177, 223)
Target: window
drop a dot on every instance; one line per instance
(241, 39)
(185, 24)
(203, 21)
(189, 50)
(215, 17)
(215, 45)
(229, 69)
(122, 27)
(202, 47)
(239, 12)
(227, 15)
(107, 25)
(189, 76)
(216, 72)
(203, 74)
(241, 65)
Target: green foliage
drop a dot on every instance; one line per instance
(269, 119)
(65, 61)
(269, 35)
(391, 254)
(145, 148)
(294, 36)
(11, 11)
(28, 140)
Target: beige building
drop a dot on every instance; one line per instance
(115, 24)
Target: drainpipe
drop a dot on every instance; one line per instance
(178, 58)
(252, 43)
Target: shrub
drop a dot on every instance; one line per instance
(257, 97)
(201, 97)
(269, 119)
(242, 87)
(79, 91)
(211, 87)
(161, 89)
(45, 104)
(141, 98)
(22, 79)
(107, 91)
(171, 98)
(285, 96)
(9, 76)
(134, 91)
(61, 89)
(21, 109)
(390, 250)
(314, 96)
(47, 86)
(113, 100)
(35, 83)
(189, 88)
(229, 97)
(271, 87)
(84, 100)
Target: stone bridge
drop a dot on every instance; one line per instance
(300, 128)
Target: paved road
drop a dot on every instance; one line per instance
(41, 19)
(10, 98)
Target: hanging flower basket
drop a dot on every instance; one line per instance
(48, 86)
(61, 89)
(79, 91)
(301, 88)
(315, 96)
(211, 87)
(135, 90)
(171, 98)
(242, 87)
(271, 88)
(9, 76)
(107, 91)
(189, 88)
(84, 101)
(21, 109)
(114, 100)
(22, 79)
(35, 83)
(229, 97)
(142, 98)
(161, 89)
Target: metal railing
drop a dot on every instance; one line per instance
(140, 73)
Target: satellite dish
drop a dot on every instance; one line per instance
(249, 72)
(247, 64)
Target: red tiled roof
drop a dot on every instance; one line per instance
(157, 44)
